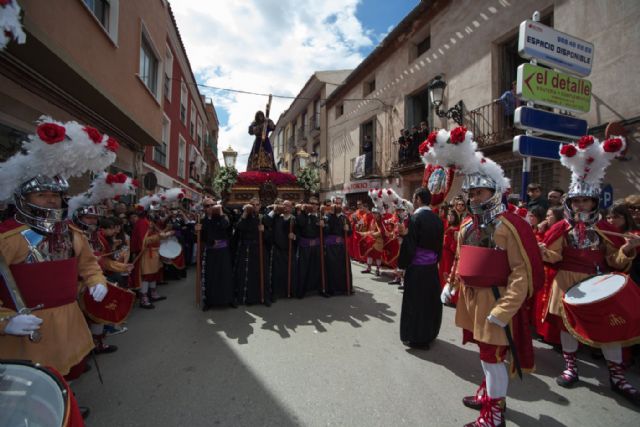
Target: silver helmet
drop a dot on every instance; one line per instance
(43, 219)
(493, 206)
(90, 210)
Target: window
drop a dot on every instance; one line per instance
(369, 87)
(160, 152)
(184, 98)
(182, 154)
(417, 109)
(423, 45)
(148, 65)
(100, 9)
(199, 132)
(192, 125)
(168, 73)
(339, 110)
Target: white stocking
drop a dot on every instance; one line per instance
(152, 286)
(369, 261)
(569, 343)
(144, 288)
(497, 379)
(612, 353)
(378, 263)
(96, 328)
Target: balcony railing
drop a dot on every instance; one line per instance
(490, 125)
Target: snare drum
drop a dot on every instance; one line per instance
(36, 396)
(603, 309)
(170, 248)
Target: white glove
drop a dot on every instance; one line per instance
(493, 319)
(22, 324)
(446, 294)
(98, 292)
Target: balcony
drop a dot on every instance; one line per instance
(361, 170)
(490, 126)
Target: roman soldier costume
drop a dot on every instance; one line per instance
(581, 246)
(498, 267)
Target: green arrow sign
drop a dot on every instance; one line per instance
(547, 87)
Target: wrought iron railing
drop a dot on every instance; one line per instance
(491, 125)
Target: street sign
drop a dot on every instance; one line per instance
(551, 123)
(606, 196)
(554, 48)
(533, 146)
(553, 89)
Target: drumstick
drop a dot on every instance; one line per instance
(198, 267)
(613, 233)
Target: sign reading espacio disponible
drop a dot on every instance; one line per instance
(547, 87)
(555, 49)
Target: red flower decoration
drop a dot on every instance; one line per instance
(112, 145)
(522, 212)
(181, 196)
(116, 198)
(110, 179)
(568, 150)
(51, 133)
(121, 178)
(483, 160)
(589, 160)
(612, 145)
(5, 2)
(389, 192)
(431, 139)
(154, 203)
(93, 133)
(380, 193)
(135, 183)
(457, 135)
(424, 147)
(585, 141)
(257, 178)
(163, 198)
(511, 207)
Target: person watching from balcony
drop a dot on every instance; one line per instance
(509, 103)
(403, 143)
(414, 155)
(367, 150)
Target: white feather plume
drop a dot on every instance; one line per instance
(10, 26)
(589, 163)
(73, 156)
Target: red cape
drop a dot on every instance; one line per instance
(558, 230)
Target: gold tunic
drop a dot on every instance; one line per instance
(476, 304)
(66, 339)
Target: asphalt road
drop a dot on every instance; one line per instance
(318, 362)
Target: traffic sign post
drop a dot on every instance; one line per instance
(534, 146)
(551, 123)
(551, 88)
(606, 197)
(555, 48)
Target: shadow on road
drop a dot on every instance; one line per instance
(285, 316)
(459, 360)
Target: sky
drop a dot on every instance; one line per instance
(274, 46)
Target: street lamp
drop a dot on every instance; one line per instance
(302, 156)
(230, 156)
(436, 93)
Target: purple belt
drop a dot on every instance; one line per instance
(333, 240)
(308, 243)
(424, 257)
(219, 244)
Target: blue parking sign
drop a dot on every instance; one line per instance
(606, 196)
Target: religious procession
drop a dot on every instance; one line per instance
(541, 284)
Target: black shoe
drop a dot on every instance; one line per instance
(147, 305)
(631, 394)
(394, 282)
(205, 307)
(157, 298)
(401, 287)
(233, 305)
(325, 294)
(267, 303)
(105, 349)
(84, 411)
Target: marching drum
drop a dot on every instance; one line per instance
(113, 309)
(603, 309)
(170, 248)
(31, 395)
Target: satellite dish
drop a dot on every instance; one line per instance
(150, 181)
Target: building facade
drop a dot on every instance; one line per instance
(301, 129)
(472, 46)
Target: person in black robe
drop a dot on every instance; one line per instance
(283, 252)
(420, 251)
(308, 224)
(247, 267)
(217, 272)
(337, 265)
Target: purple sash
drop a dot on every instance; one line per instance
(332, 240)
(424, 257)
(308, 243)
(219, 244)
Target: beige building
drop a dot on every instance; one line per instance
(472, 45)
(302, 127)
